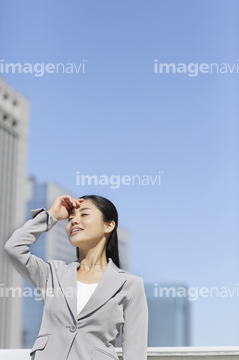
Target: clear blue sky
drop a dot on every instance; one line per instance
(120, 118)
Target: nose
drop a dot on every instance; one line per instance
(74, 221)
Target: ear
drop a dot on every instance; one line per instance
(109, 226)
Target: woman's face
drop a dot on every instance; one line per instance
(86, 225)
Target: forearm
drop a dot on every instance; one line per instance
(32, 268)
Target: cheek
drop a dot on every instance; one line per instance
(91, 222)
(95, 227)
(67, 229)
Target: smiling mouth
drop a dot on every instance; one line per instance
(75, 231)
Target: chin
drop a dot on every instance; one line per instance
(76, 242)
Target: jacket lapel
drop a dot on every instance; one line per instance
(110, 282)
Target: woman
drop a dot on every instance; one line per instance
(87, 301)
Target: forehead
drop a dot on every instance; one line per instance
(88, 205)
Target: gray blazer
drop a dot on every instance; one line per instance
(118, 300)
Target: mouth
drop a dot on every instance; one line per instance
(75, 231)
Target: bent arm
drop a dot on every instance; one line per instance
(31, 267)
(135, 329)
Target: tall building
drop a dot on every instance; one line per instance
(169, 315)
(123, 244)
(51, 245)
(14, 123)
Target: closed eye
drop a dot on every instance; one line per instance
(70, 218)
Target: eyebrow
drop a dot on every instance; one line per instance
(80, 210)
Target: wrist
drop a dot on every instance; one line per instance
(51, 212)
(35, 212)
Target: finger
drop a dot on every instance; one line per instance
(71, 201)
(68, 202)
(77, 202)
(74, 202)
(65, 198)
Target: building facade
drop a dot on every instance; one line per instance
(14, 124)
(169, 315)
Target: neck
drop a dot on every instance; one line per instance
(94, 262)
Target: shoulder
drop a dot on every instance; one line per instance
(134, 281)
(133, 284)
(135, 290)
(132, 277)
(60, 268)
(56, 264)
(129, 276)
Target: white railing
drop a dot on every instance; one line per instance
(194, 353)
(154, 353)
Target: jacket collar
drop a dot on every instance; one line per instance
(111, 280)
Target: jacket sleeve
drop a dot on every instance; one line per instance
(31, 267)
(135, 328)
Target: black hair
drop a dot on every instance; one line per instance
(109, 213)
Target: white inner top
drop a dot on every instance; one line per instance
(84, 292)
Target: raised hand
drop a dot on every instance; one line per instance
(63, 205)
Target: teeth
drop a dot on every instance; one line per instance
(76, 230)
